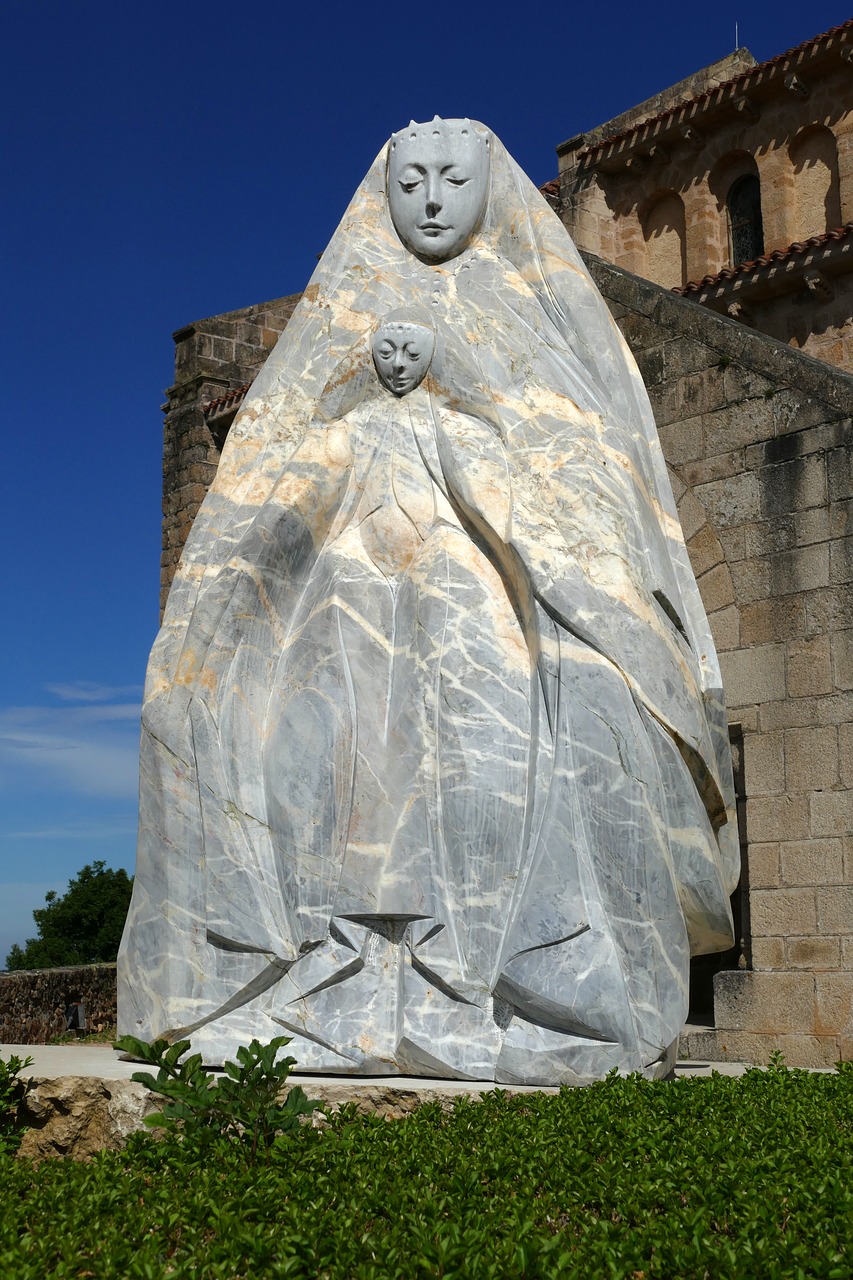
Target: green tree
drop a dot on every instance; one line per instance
(82, 926)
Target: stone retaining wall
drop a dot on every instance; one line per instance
(33, 1001)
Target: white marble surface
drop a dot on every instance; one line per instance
(435, 771)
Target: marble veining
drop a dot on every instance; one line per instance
(434, 765)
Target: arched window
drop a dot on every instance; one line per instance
(746, 233)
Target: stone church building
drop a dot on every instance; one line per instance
(717, 221)
(734, 188)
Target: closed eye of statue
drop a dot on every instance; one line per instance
(412, 177)
(437, 186)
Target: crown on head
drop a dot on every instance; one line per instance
(410, 316)
(463, 132)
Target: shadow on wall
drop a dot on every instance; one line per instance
(703, 968)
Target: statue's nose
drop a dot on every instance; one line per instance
(433, 195)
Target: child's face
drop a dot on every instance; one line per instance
(402, 353)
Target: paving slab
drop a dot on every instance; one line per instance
(102, 1062)
(50, 1061)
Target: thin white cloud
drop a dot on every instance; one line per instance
(110, 711)
(85, 829)
(87, 750)
(89, 691)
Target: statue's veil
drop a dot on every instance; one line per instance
(533, 396)
(522, 251)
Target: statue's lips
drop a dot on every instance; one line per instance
(433, 228)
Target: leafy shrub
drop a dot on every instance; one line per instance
(12, 1092)
(717, 1178)
(242, 1108)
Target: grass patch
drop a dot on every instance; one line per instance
(702, 1179)
(102, 1035)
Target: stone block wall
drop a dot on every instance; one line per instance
(33, 1001)
(758, 440)
(759, 443)
(213, 358)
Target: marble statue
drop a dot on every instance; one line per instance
(435, 773)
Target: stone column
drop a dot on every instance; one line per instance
(706, 248)
(778, 199)
(844, 142)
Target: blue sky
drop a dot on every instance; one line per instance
(166, 162)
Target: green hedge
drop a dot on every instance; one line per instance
(702, 1178)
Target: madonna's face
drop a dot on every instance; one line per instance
(402, 353)
(438, 180)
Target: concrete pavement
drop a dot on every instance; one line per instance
(102, 1062)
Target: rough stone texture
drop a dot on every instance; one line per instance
(390, 1101)
(435, 767)
(766, 1003)
(789, 482)
(78, 1116)
(213, 357)
(33, 1001)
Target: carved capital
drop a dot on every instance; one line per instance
(817, 284)
(635, 165)
(737, 311)
(692, 136)
(796, 84)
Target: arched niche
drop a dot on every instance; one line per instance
(734, 182)
(665, 234)
(814, 159)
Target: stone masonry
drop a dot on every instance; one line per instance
(213, 359)
(33, 1001)
(650, 191)
(758, 440)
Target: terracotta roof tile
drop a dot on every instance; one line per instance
(741, 79)
(225, 402)
(766, 259)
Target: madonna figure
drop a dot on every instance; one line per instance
(435, 773)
